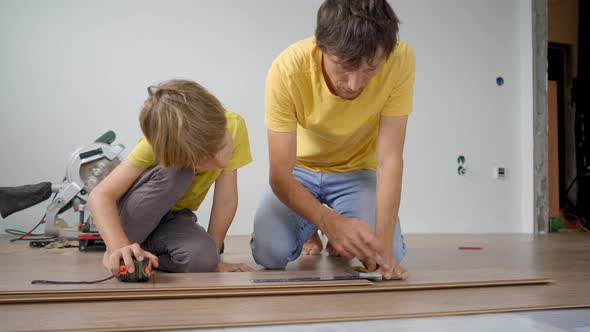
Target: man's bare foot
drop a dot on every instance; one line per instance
(331, 251)
(313, 245)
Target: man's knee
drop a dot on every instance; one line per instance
(272, 241)
(399, 249)
(270, 253)
(399, 244)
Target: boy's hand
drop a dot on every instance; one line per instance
(229, 267)
(111, 260)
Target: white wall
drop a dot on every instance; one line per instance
(69, 70)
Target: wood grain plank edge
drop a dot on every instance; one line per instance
(151, 294)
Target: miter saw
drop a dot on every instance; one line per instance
(86, 167)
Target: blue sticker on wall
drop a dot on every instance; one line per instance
(500, 81)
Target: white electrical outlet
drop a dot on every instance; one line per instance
(499, 172)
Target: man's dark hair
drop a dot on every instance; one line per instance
(354, 29)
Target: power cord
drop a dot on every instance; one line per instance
(23, 235)
(18, 232)
(55, 282)
(35, 237)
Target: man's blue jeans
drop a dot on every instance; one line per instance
(279, 233)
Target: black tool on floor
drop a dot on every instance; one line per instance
(40, 244)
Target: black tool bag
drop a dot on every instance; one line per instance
(14, 199)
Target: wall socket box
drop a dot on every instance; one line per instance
(499, 172)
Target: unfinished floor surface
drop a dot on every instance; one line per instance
(559, 257)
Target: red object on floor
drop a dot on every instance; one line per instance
(470, 248)
(89, 236)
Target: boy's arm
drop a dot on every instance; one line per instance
(103, 205)
(390, 145)
(225, 204)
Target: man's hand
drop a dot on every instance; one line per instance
(229, 267)
(352, 237)
(111, 260)
(395, 272)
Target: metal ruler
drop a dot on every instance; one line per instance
(305, 279)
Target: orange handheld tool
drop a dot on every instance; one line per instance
(143, 271)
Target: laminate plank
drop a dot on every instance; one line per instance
(561, 257)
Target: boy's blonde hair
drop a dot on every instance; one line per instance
(183, 123)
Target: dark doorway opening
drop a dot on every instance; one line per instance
(560, 63)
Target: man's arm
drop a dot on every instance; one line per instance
(390, 146)
(225, 204)
(349, 236)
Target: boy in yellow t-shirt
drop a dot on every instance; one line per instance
(336, 108)
(143, 209)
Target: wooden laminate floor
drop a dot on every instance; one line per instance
(431, 258)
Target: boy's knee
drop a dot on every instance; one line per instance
(201, 256)
(176, 178)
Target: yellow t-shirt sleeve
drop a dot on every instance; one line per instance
(279, 110)
(241, 155)
(142, 155)
(399, 102)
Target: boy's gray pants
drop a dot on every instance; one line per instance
(174, 236)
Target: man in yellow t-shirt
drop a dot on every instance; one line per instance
(144, 207)
(336, 109)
